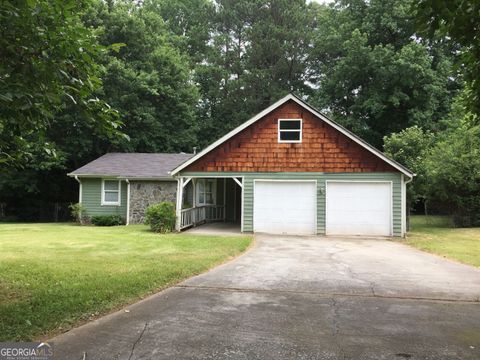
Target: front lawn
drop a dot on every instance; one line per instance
(435, 234)
(55, 276)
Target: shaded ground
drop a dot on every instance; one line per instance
(308, 298)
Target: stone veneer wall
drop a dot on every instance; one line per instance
(145, 193)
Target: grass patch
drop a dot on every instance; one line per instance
(55, 276)
(436, 235)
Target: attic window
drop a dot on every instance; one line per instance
(289, 130)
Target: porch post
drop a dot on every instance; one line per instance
(224, 199)
(194, 192)
(178, 208)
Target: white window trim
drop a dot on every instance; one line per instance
(214, 192)
(114, 203)
(290, 130)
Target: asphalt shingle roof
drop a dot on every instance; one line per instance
(133, 165)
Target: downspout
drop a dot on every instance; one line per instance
(128, 202)
(409, 181)
(79, 199)
(178, 207)
(80, 189)
(405, 199)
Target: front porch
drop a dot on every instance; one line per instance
(203, 200)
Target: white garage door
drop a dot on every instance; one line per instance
(358, 208)
(282, 207)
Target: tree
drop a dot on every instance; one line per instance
(373, 75)
(258, 51)
(410, 147)
(190, 21)
(457, 20)
(453, 171)
(148, 81)
(47, 60)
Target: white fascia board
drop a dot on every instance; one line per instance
(163, 178)
(121, 177)
(231, 134)
(300, 102)
(355, 138)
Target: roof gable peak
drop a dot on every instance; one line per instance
(309, 108)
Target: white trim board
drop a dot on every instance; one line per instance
(122, 177)
(111, 203)
(300, 102)
(300, 131)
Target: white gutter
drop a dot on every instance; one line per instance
(404, 202)
(128, 202)
(120, 177)
(80, 190)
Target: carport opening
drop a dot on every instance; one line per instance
(211, 200)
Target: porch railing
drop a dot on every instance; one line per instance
(201, 214)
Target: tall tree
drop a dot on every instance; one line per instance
(190, 20)
(457, 20)
(373, 74)
(258, 52)
(148, 81)
(48, 60)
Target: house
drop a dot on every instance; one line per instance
(287, 170)
(127, 183)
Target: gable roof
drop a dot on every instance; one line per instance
(132, 165)
(303, 104)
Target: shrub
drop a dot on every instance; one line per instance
(77, 211)
(107, 220)
(453, 172)
(161, 217)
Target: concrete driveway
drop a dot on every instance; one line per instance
(300, 297)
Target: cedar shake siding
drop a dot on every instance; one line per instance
(323, 149)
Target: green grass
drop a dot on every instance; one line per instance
(436, 235)
(56, 276)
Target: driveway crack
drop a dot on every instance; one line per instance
(371, 293)
(138, 340)
(335, 327)
(335, 316)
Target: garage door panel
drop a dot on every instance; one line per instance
(358, 208)
(285, 207)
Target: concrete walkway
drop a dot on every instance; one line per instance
(307, 298)
(216, 228)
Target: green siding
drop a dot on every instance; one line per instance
(92, 197)
(321, 178)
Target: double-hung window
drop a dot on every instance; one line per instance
(289, 130)
(110, 192)
(205, 192)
